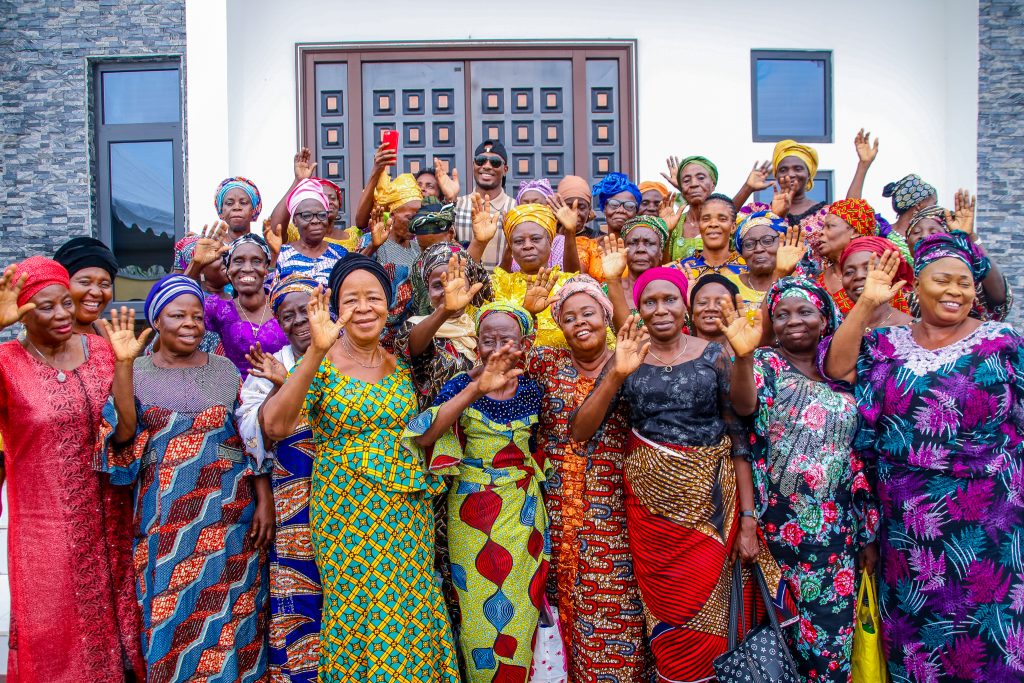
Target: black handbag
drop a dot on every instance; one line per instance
(762, 656)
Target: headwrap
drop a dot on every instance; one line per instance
(858, 213)
(86, 252)
(438, 255)
(613, 184)
(746, 222)
(289, 284)
(242, 184)
(581, 284)
(184, 250)
(878, 246)
(574, 187)
(493, 147)
(700, 161)
(714, 279)
(392, 194)
(247, 238)
(325, 183)
(908, 192)
(805, 153)
(653, 185)
(936, 212)
(655, 223)
(432, 219)
(518, 313)
(307, 189)
(802, 288)
(42, 272)
(350, 264)
(672, 275)
(166, 290)
(954, 244)
(543, 186)
(541, 214)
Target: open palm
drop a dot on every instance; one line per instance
(323, 331)
(743, 329)
(632, 346)
(458, 293)
(500, 369)
(538, 294)
(121, 334)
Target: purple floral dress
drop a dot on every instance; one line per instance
(815, 504)
(947, 427)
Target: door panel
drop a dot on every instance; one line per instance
(333, 146)
(603, 130)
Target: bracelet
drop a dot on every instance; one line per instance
(749, 513)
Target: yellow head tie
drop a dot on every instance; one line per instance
(541, 214)
(792, 148)
(391, 194)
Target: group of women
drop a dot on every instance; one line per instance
(362, 455)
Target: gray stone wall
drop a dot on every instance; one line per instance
(45, 92)
(1001, 139)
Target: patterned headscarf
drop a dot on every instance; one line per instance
(247, 238)
(438, 254)
(325, 183)
(611, 185)
(543, 186)
(746, 222)
(581, 284)
(289, 284)
(878, 246)
(653, 185)
(700, 161)
(858, 213)
(805, 153)
(184, 250)
(307, 189)
(518, 313)
(541, 214)
(42, 272)
(392, 194)
(242, 184)
(908, 192)
(802, 288)
(166, 290)
(936, 212)
(655, 223)
(956, 244)
(665, 273)
(432, 219)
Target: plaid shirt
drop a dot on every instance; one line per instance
(503, 203)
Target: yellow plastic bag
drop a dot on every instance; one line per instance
(868, 658)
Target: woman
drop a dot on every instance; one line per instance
(247, 319)
(909, 195)
(771, 248)
(297, 600)
(854, 265)
(311, 255)
(642, 247)
(618, 198)
(652, 196)
(591, 579)
(68, 556)
(303, 168)
(685, 466)
(717, 223)
(538, 192)
(203, 510)
(213, 277)
(814, 503)
(574, 191)
(941, 407)
(480, 431)
(710, 297)
(696, 178)
(92, 268)
(369, 505)
(238, 204)
(433, 223)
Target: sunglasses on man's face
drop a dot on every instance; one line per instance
(495, 162)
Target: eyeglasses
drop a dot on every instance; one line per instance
(495, 162)
(766, 241)
(308, 216)
(615, 204)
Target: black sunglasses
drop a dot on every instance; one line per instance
(495, 162)
(308, 216)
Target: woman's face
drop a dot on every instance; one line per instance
(435, 286)
(91, 291)
(50, 322)
(533, 197)
(333, 204)
(312, 222)
(792, 174)
(855, 273)
(584, 212)
(798, 324)
(760, 258)
(247, 269)
(696, 183)
(643, 250)
(181, 325)
(717, 222)
(945, 292)
(663, 310)
(237, 210)
(427, 183)
(402, 215)
(707, 309)
(618, 209)
(833, 238)
(531, 246)
(650, 203)
(496, 330)
(215, 275)
(362, 292)
(583, 323)
(923, 228)
(294, 320)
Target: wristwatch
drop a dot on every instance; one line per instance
(749, 513)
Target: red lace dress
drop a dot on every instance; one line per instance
(74, 616)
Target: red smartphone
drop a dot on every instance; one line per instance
(390, 138)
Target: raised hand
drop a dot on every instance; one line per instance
(384, 157)
(380, 230)
(879, 286)
(485, 222)
(500, 369)
(120, 331)
(210, 246)
(10, 288)
(274, 237)
(538, 292)
(792, 248)
(457, 291)
(670, 212)
(302, 164)
(265, 366)
(323, 331)
(758, 176)
(613, 256)
(866, 152)
(781, 202)
(632, 346)
(742, 328)
(566, 215)
(964, 204)
(672, 163)
(448, 184)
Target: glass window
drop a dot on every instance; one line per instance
(821, 192)
(792, 95)
(141, 96)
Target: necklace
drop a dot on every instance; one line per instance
(61, 376)
(667, 366)
(255, 328)
(347, 349)
(882, 323)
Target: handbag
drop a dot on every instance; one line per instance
(762, 656)
(868, 661)
(549, 656)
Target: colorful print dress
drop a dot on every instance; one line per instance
(947, 427)
(202, 585)
(497, 526)
(591, 578)
(373, 535)
(815, 506)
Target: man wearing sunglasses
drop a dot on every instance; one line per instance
(490, 166)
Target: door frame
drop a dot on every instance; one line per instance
(307, 55)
